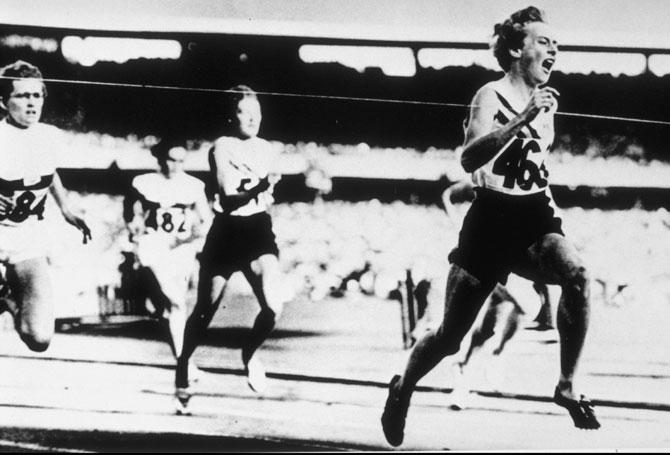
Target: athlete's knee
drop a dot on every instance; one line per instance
(278, 310)
(37, 341)
(267, 318)
(274, 294)
(276, 305)
(480, 336)
(448, 344)
(578, 282)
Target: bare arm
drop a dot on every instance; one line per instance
(204, 213)
(453, 214)
(60, 196)
(450, 209)
(132, 214)
(552, 202)
(481, 143)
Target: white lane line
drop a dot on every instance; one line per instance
(40, 447)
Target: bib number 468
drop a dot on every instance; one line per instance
(517, 169)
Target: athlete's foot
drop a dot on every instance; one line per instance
(581, 410)
(395, 414)
(256, 375)
(182, 396)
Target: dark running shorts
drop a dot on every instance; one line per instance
(235, 241)
(497, 231)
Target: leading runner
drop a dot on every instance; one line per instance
(511, 225)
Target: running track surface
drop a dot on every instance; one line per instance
(108, 387)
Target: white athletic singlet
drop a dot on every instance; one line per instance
(518, 168)
(169, 214)
(169, 204)
(27, 166)
(249, 161)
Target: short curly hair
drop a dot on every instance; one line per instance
(17, 70)
(238, 93)
(510, 34)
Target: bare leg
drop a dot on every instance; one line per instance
(510, 314)
(502, 307)
(557, 262)
(176, 322)
(498, 326)
(264, 277)
(545, 317)
(481, 333)
(30, 286)
(572, 320)
(210, 293)
(501, 321)
(464, 298)
(172, 323)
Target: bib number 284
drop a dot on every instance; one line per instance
(517, 169)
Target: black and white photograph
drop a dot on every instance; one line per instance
(334, 225)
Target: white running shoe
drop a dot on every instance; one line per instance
(182, 396)
(256, 375)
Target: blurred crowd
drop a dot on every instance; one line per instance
(612, 160)
(334, 248)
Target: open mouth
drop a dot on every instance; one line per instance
(548, 64)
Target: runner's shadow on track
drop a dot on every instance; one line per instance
(66, 440)
(228, 337)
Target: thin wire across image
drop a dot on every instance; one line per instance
(335, 97)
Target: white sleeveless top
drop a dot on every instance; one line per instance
(248, 161)
(169, 204)
(519, 166)
(27, 167)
